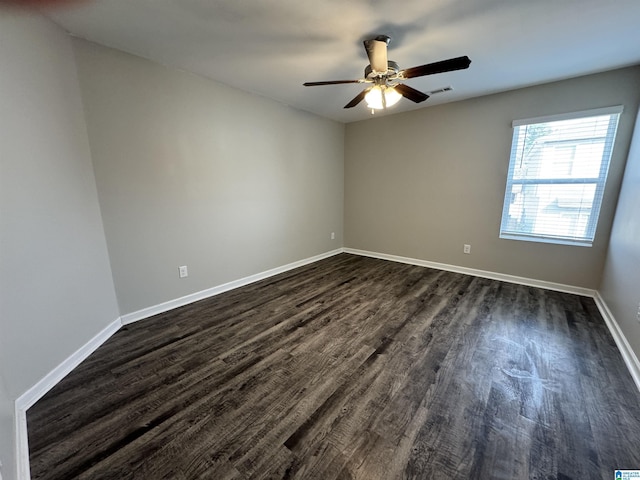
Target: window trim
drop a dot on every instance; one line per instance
(595, 112)
(599, 181)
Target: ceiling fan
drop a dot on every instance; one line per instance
(385, 76)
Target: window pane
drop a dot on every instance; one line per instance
(550, 210)
(556, 177)
(550, 150)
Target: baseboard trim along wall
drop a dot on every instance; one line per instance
(629, 357)
(35, 393)
(31, 396)
(50, 380)
(559, 287)
(210, 292)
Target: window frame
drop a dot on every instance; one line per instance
(599, 181)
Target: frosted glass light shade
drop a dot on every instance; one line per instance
(374, 97)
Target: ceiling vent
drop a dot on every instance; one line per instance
(441, 90)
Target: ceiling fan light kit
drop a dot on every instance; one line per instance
(385, 75)
(380, 97)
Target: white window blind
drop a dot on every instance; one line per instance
(557, 173)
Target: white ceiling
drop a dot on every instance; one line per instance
(270, 47)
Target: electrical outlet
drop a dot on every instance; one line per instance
(466, 248)
(333, 235)
(183, 272)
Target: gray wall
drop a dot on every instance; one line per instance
(192, 172)
(422, 184)
(620, 287)
(6, 431)
(56, 289)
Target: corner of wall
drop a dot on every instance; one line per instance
(628, 355)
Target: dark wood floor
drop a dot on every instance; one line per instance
(349, 368)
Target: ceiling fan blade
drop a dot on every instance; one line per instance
(358, 98)
(411, 93)
(377, 53)
(330, 82)
(458, 63)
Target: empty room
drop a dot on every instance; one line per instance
(344, 240)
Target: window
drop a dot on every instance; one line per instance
(556, 178)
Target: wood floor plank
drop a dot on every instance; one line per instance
(349, 368)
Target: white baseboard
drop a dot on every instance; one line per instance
(210, 292)
(559, 287)
(31, 396)
(22, 444)
(35, 393)
(628, 355)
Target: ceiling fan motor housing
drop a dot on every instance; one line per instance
(392, 71)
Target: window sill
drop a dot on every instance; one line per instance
(557, 241)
